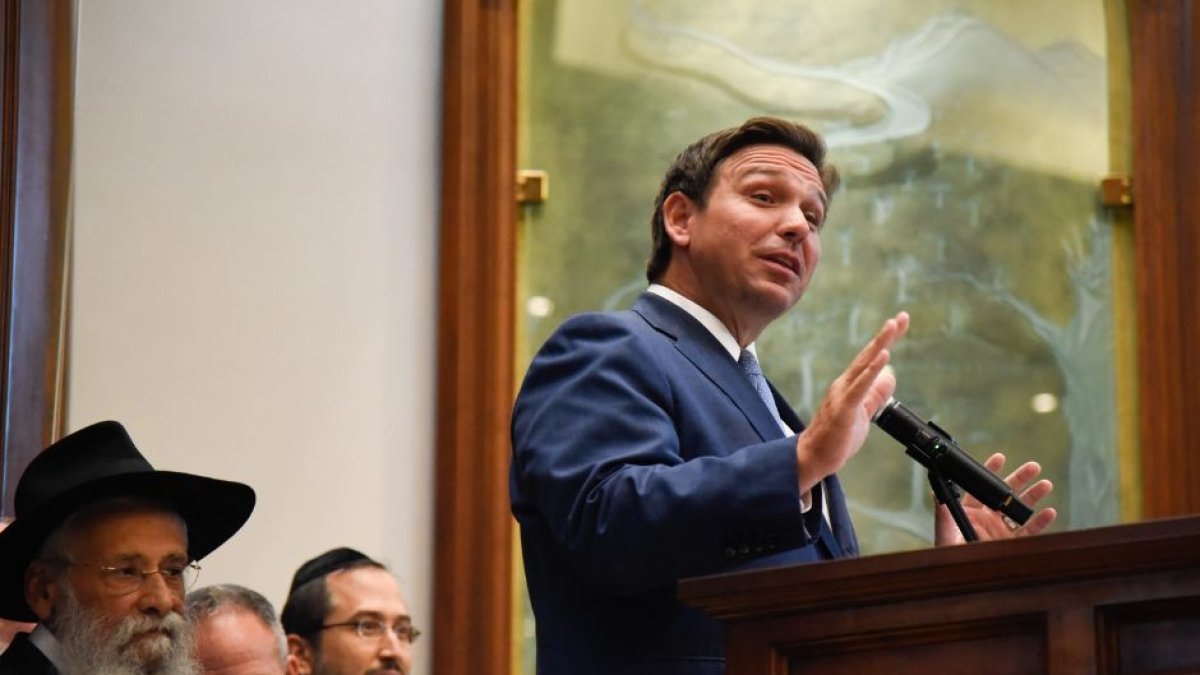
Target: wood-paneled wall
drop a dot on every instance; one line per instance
(37, 49)
(1165, 46)
(472, 598)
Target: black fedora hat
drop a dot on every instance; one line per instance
(95, 463)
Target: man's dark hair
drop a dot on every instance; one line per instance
(692, 171)
(205, 602)
(309, 601)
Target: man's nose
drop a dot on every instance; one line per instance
(795, 225)
(158, 597)
(394, 647)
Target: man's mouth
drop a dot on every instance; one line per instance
(151, 634)
(387, 666)
(785, 260)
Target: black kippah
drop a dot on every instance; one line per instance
(329, 561)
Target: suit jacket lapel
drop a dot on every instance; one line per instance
(839, 516)
(788, 415)
(24, 658)
(704, 351)
(697, 345)
(839, 534)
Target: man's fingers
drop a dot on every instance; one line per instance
(1037, 492)
(995, 462)
(1023, 476)
(1038, 523)
(870, 361)
(1019, 478)
(887, 334)
(1019, 481)
(859, 385)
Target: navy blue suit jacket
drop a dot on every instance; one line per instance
(643, 455)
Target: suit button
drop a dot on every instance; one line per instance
(730, 552)
(745, 550)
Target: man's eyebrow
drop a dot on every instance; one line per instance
(824, 203)
(776, 172)
(143, 558)
(377, 615)
(755, 169)
(366, 614)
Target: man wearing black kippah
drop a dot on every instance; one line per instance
(345, 615)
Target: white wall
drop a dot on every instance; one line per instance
(255, 239)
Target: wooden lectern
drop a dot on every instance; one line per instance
(1122, 599)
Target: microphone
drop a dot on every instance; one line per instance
(935, 450)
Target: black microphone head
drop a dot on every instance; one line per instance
(899, 422)
(883, 408)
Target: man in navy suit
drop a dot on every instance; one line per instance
(648, 447)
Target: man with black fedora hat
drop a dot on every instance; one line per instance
(101, 552)
(345, 615)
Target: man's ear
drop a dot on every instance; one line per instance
(677, 211)
(300, 660)
(42, 589)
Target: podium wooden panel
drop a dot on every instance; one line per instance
(1116, 600)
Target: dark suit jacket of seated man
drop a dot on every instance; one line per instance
(645, 447)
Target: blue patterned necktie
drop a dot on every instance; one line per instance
(753, 371)
(750, 365)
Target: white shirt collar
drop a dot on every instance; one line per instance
(706, 319)
(49, 646)
(730, 343)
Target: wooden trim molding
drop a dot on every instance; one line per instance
(38, 83)
(1165, 47)
(473, 563)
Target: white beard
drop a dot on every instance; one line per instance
(89, 651)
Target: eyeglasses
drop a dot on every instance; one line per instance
(125, 579)
(373, 629)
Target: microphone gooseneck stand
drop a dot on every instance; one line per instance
(946, 492)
